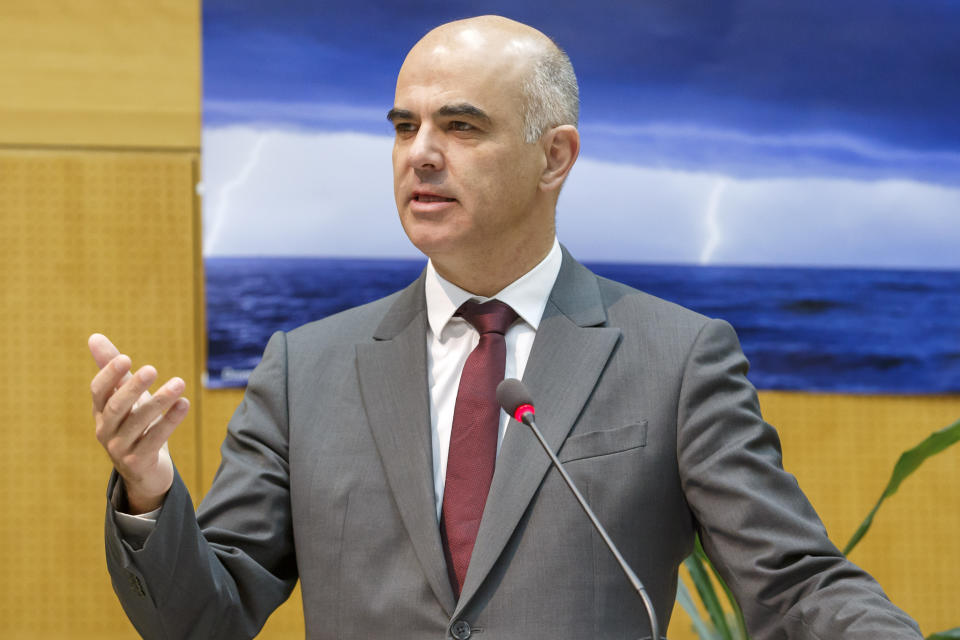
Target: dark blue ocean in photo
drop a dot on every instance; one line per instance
(813, 329)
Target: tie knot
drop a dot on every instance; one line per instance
(492, 316)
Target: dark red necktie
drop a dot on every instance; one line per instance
(473, 438)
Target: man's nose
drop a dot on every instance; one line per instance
(426, 150)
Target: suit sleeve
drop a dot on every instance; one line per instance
(221, 572)
(756, 525)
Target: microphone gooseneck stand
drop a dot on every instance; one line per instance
(517, 402)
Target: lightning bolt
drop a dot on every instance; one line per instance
(219, 215)
(711, 221)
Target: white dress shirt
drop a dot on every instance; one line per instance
(450, 340)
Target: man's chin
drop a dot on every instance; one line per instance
(434, 248)
(437, 247)
(433, 239)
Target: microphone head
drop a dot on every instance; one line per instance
(514, 398)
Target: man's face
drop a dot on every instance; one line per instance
(464, 178)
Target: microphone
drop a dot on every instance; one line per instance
(515, 399)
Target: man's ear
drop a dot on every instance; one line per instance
(561, 146)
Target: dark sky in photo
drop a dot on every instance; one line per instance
(872, 85)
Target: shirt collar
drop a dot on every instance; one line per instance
(526, 295)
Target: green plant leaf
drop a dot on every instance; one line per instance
(952, 634)
(910, 460)
(739, 630)
(700, 626)
(708, 596)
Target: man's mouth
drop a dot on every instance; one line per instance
(426, 197)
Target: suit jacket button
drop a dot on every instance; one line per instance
(461, 630)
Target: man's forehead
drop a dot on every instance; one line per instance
(481, 63)
(456, 68)
(457, 90)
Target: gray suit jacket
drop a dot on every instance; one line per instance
(327, 476)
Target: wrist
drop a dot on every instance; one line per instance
(135, 502)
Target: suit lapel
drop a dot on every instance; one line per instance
(397, 406)
(569, 353)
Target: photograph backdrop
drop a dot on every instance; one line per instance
(792, 169)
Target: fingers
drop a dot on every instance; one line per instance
(102, 349)
(133, 425)
(121, 401)
(115, 389)
(140, 429)
(108, 380)
(122, 410)
(161, 430)
(122, 405)
(144, 414)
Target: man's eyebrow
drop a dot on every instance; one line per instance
(446, 111)
(463, 109)
(399, 114)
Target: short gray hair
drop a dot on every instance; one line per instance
(551, 94)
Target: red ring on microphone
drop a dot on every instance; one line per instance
(522, 409)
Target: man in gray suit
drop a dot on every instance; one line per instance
(336, 463)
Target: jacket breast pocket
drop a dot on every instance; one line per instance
(606, 442)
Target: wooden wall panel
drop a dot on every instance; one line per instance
(100, 241)
(99, 154)
(100, 73)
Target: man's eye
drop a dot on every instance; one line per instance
(459, 125)
(405, 127)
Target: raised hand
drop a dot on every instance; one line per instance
(133, 425)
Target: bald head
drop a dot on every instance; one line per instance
(484, 139)
(523, 60)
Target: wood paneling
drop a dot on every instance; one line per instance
(91, 241)
(100, 73)
(99, 154)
